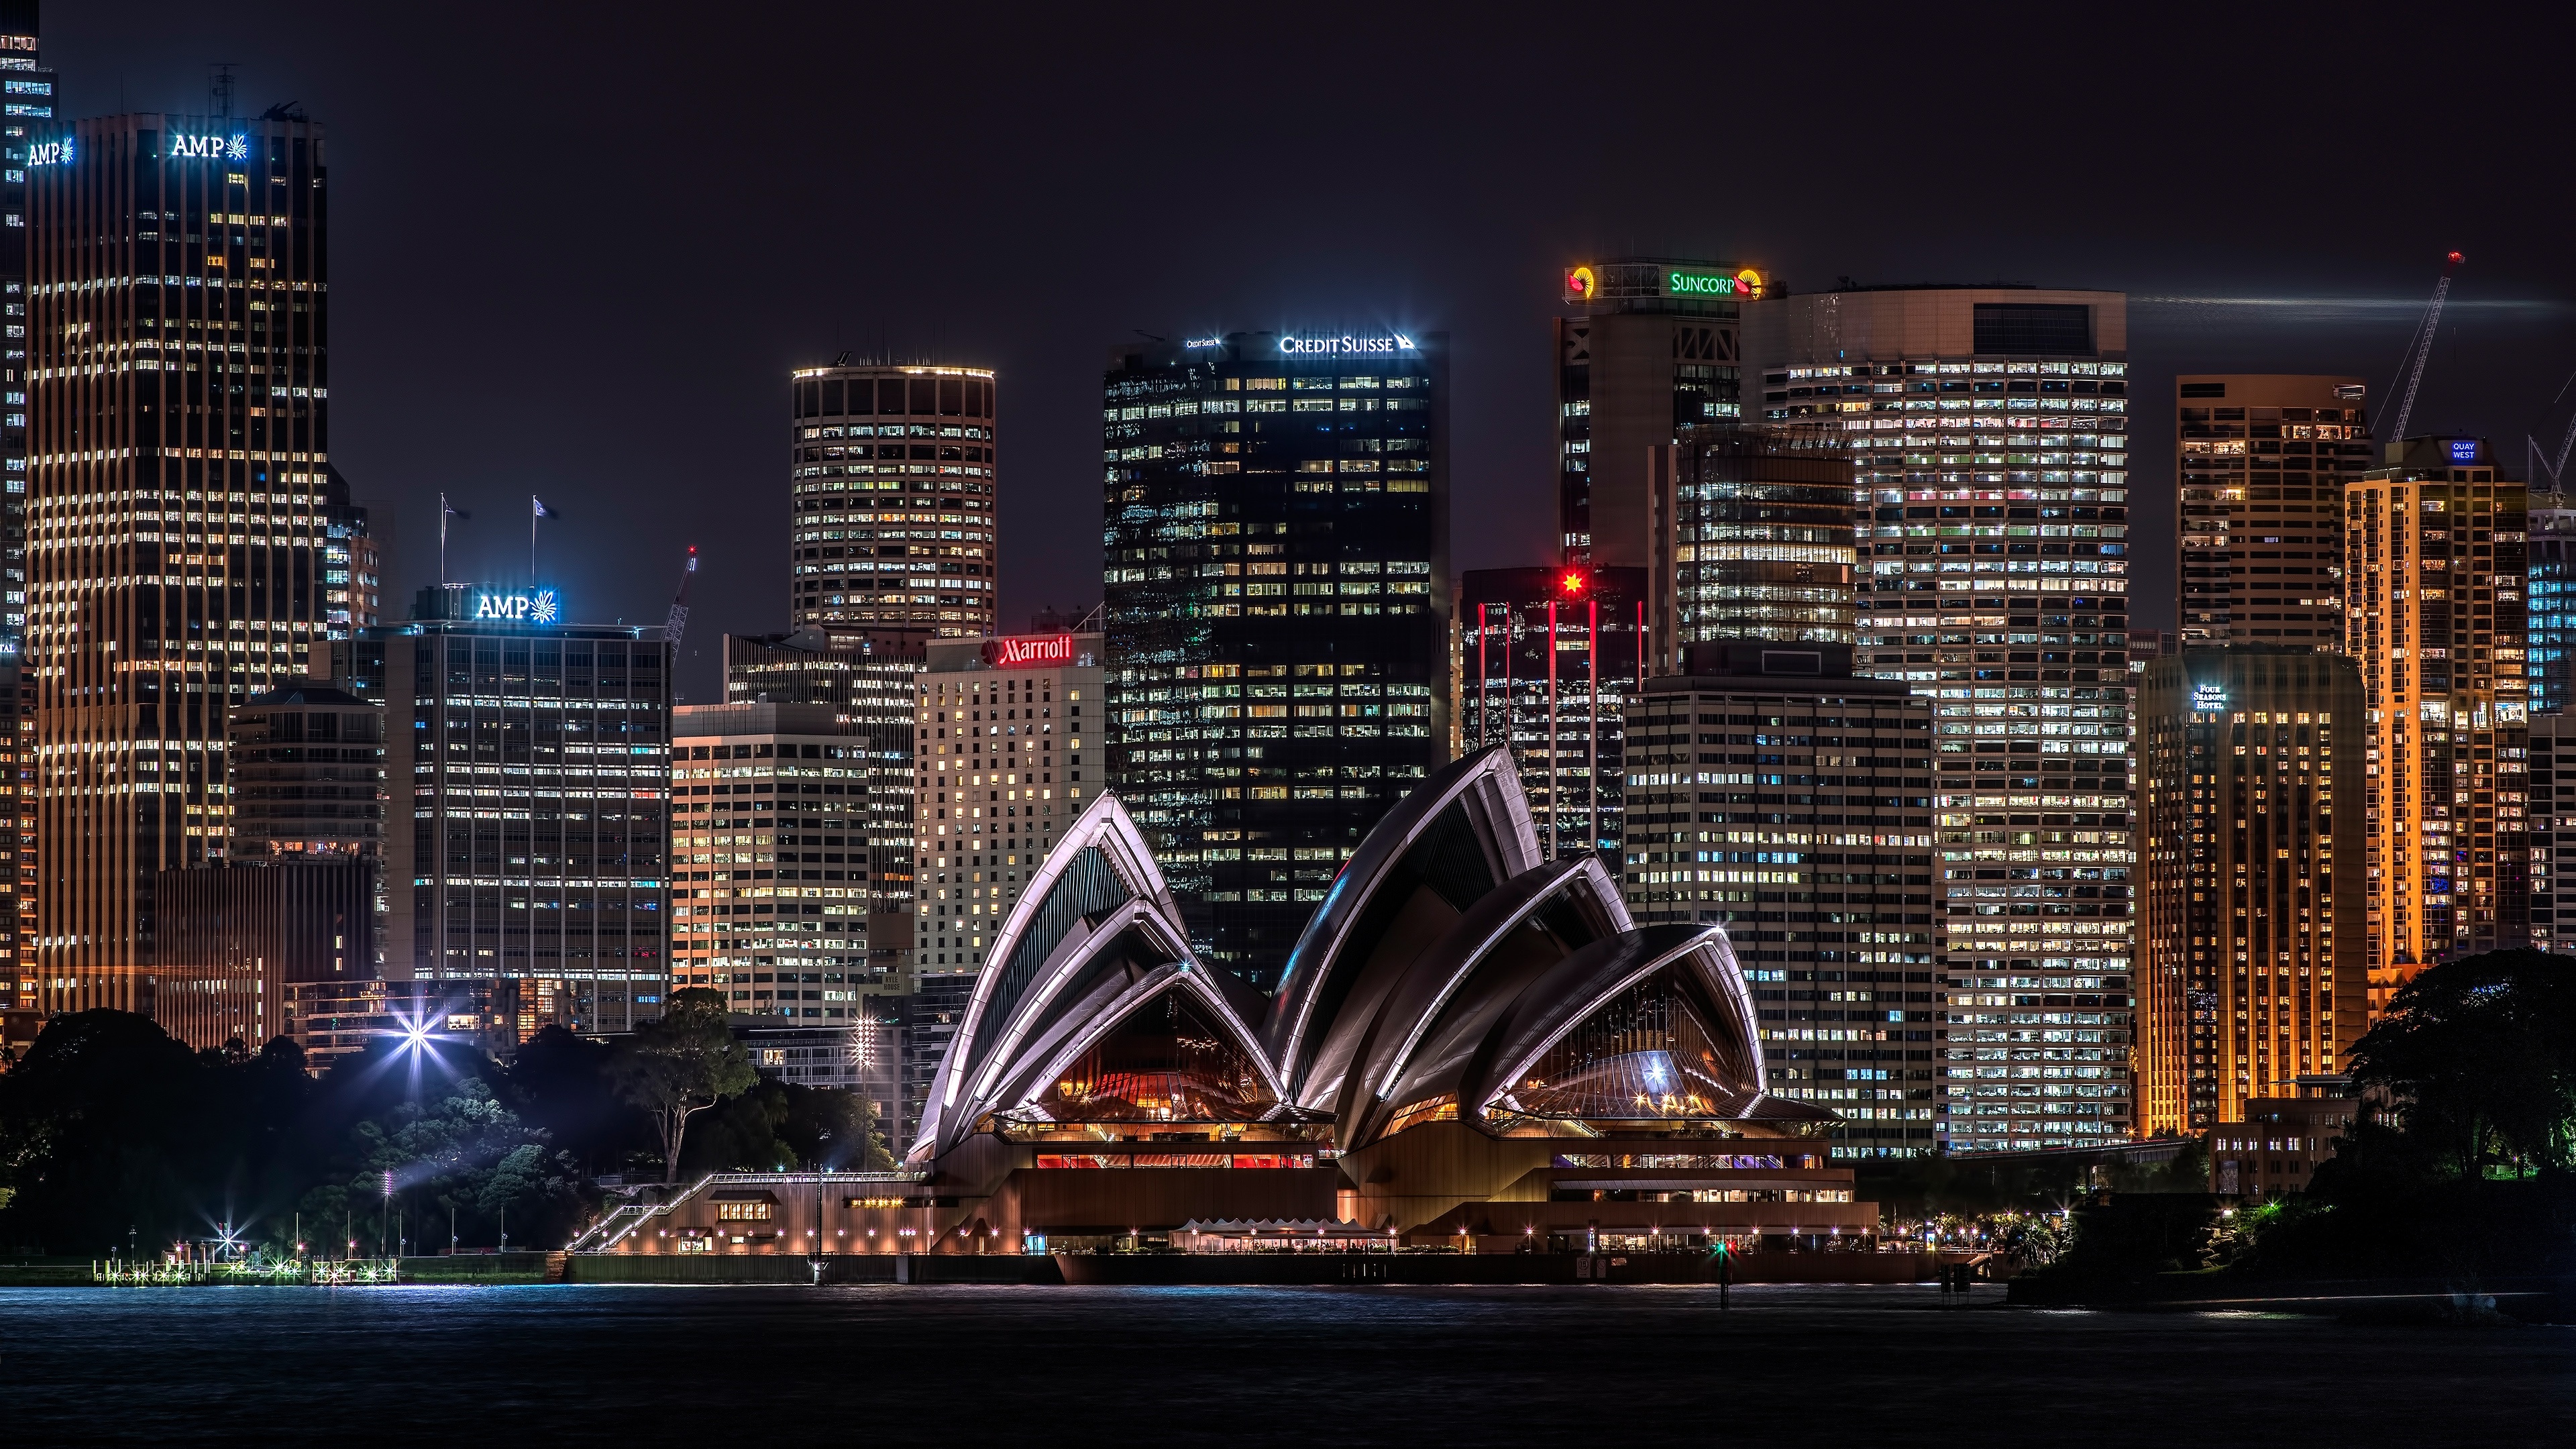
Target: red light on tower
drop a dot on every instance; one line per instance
(1572, 583)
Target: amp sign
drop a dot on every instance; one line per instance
(185, 147)
(1029, 651)
(523, 606)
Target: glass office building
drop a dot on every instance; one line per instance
(531, 831)
(1759, 541)
(181, 494)
(2551, 603)
(1990, 428)
(1547, 660)
(1276, 540)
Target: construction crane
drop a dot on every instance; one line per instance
(678, 623)
(2557, 469)
(2420, 350)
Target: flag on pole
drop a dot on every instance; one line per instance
(542, 511)
(451, 508)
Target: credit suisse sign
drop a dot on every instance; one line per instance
(1029, 651)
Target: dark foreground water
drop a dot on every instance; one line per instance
(728, 1367)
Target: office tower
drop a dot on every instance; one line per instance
(893, 526)
(2255, 902)
(28, 106)
(308, 775)
(1547, 660)
(2553, 830)
(352, 563)
(1770, 789)
(298, 902)
(181, 506)
(1753, 538)
(869, 683)
(2433, 610)
(538, 760)
(1650, 349)
(1009, 749)
(1277, 603)
(2551, 585)
(2261, 462)
(1989, 425)
(238, 939)
(770, 859)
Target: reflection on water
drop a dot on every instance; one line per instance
(1231, 1366)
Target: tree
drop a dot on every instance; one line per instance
(680, 1066)
(2478, 1056)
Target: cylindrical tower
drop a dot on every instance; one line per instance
(892, 528)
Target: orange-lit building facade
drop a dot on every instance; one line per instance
(892, 529)
(2255, 888)
(2434, 612)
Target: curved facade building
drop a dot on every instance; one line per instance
(892, 533)
(1468, 1039)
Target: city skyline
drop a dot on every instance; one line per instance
(676, 433)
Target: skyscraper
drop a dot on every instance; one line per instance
(892, 532)
(2549, 667)
(531, 838)
(1277, 573)
(2262, 461)
(1990, 426)
(1754, 538)
(869, 682)
(2256, 894)
(1771, 790)
(2433, 610)
(178, 326)
(771, 877)
(1547, 662)
(28, 107)
(1649, 349)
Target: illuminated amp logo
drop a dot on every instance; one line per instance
(533, 606)
(185, 147)
(50, 153)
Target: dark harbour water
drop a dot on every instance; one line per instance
(967, 1366)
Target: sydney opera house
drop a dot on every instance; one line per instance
(1471, 1046)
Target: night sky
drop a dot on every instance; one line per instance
(577, 248)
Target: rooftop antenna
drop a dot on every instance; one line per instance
(219, 88)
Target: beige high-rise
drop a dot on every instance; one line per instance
(892, 534)
(2261, 461)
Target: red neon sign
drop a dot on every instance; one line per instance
(1029, 651)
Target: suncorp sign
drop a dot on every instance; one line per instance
(1345, 345)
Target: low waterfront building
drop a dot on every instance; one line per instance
(2274, 1148)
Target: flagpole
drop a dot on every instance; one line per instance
(532, 540)
(442, 540)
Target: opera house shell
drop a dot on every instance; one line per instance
(1468, 1039)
